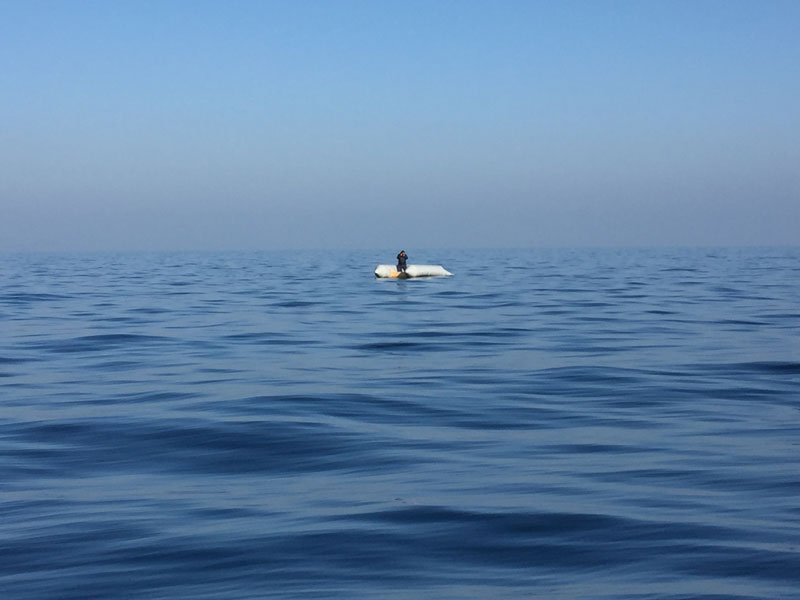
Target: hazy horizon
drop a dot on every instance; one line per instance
(357, 125)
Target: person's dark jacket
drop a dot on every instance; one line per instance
(401, 261)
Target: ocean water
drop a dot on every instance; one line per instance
(545, 424)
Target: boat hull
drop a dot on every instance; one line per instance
(390, 272)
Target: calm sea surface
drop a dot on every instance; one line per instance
(546, 423)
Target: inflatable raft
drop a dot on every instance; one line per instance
(411, 271)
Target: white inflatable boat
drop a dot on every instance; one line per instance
(391, 271)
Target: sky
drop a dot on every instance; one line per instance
(246, 125)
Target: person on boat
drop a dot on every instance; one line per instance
(401, 261)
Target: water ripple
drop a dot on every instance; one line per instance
(546, 423)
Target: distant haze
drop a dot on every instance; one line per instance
(342, 124)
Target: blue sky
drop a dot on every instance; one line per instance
(349, 124)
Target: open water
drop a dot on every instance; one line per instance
(545, 424)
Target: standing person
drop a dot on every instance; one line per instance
(401, 261)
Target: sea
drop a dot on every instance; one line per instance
(546, 423)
